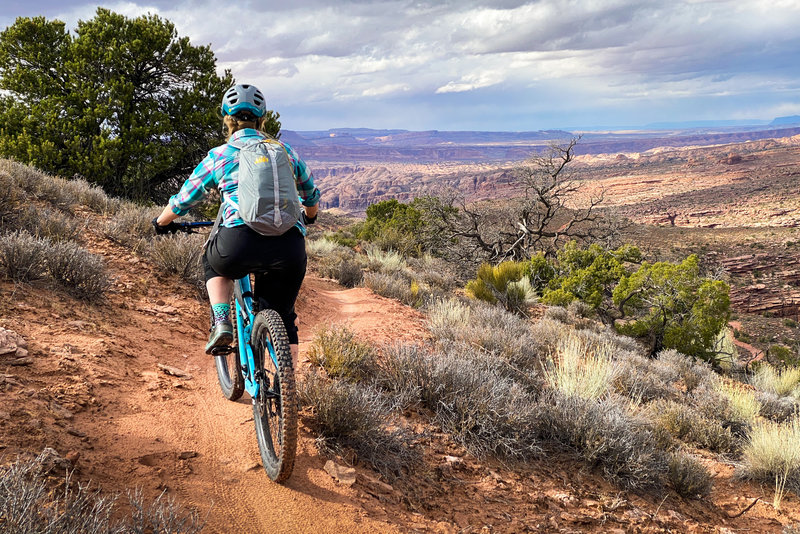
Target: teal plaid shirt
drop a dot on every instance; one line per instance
(220, 169)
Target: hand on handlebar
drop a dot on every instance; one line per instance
(170, 228)
(309, 220)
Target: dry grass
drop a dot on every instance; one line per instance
(780, 382)
(742, 401)
(582, 369)
(336, 350)
(772, 454)
(30, 505)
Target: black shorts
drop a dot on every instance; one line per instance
(278, 263)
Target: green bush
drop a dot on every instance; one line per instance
(674, 307)
(507, 283)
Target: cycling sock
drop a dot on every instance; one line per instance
(221, 312)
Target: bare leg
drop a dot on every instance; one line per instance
(295, 356)
(220, 290)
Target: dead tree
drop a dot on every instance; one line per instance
(516, 229)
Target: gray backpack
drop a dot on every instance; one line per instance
(268, 201)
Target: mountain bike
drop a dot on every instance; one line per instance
(260, 363)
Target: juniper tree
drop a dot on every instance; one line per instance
(124, 102)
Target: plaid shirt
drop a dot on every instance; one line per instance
(220, 169)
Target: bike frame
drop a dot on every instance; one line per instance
(244, 329)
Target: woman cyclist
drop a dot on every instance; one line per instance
(278, 262)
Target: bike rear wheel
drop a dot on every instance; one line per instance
(275, 408)
(229, 371)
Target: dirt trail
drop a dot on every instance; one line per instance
(99, 392)
(95, 393)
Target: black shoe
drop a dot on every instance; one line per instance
(221, 336)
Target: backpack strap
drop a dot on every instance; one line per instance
(214, 229)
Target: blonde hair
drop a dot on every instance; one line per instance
(231, 125)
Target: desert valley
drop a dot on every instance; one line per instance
(122, 395)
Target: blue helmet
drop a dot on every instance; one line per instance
(244, 98)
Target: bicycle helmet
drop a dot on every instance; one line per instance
(243, 97)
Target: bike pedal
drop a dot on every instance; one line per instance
(222, 351)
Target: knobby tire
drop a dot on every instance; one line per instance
(275, 409)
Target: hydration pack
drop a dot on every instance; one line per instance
(268, 200)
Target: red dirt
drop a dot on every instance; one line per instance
(95, 393)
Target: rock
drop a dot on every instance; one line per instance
(375, 486)
(185, 455)
(343, 475)
(52, 462)
(174, 371)
(73, 457)
(8, 342)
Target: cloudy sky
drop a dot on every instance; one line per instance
(491, 65)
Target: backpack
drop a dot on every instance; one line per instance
(268, 200)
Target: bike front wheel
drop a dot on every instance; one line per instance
(275, 408)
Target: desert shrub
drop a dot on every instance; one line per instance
(475, 400)
(687, 476)
(506, 284)
(131, 224)
(582, 369)
(604, 434)
(394, 286)
(322, 247)
(22, 256)
(781, 382)
(791, 323)
(91, 196)
(782, 354)
(644, 379)
(488, 328)
(357, 417)
(337, 262)
(444, 315)
(29, 505)
(79, 271)
(772, 454)
(433, 272)
(177, 254)
(162, 515)
(11, 198)
(384, 261)
(691, 373)
(50, 224)
(777, 408)
(686, 424)
(337, 350)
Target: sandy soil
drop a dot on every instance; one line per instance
(95, 393)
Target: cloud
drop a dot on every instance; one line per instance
(604, 57)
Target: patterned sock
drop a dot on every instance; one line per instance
(221, 312)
